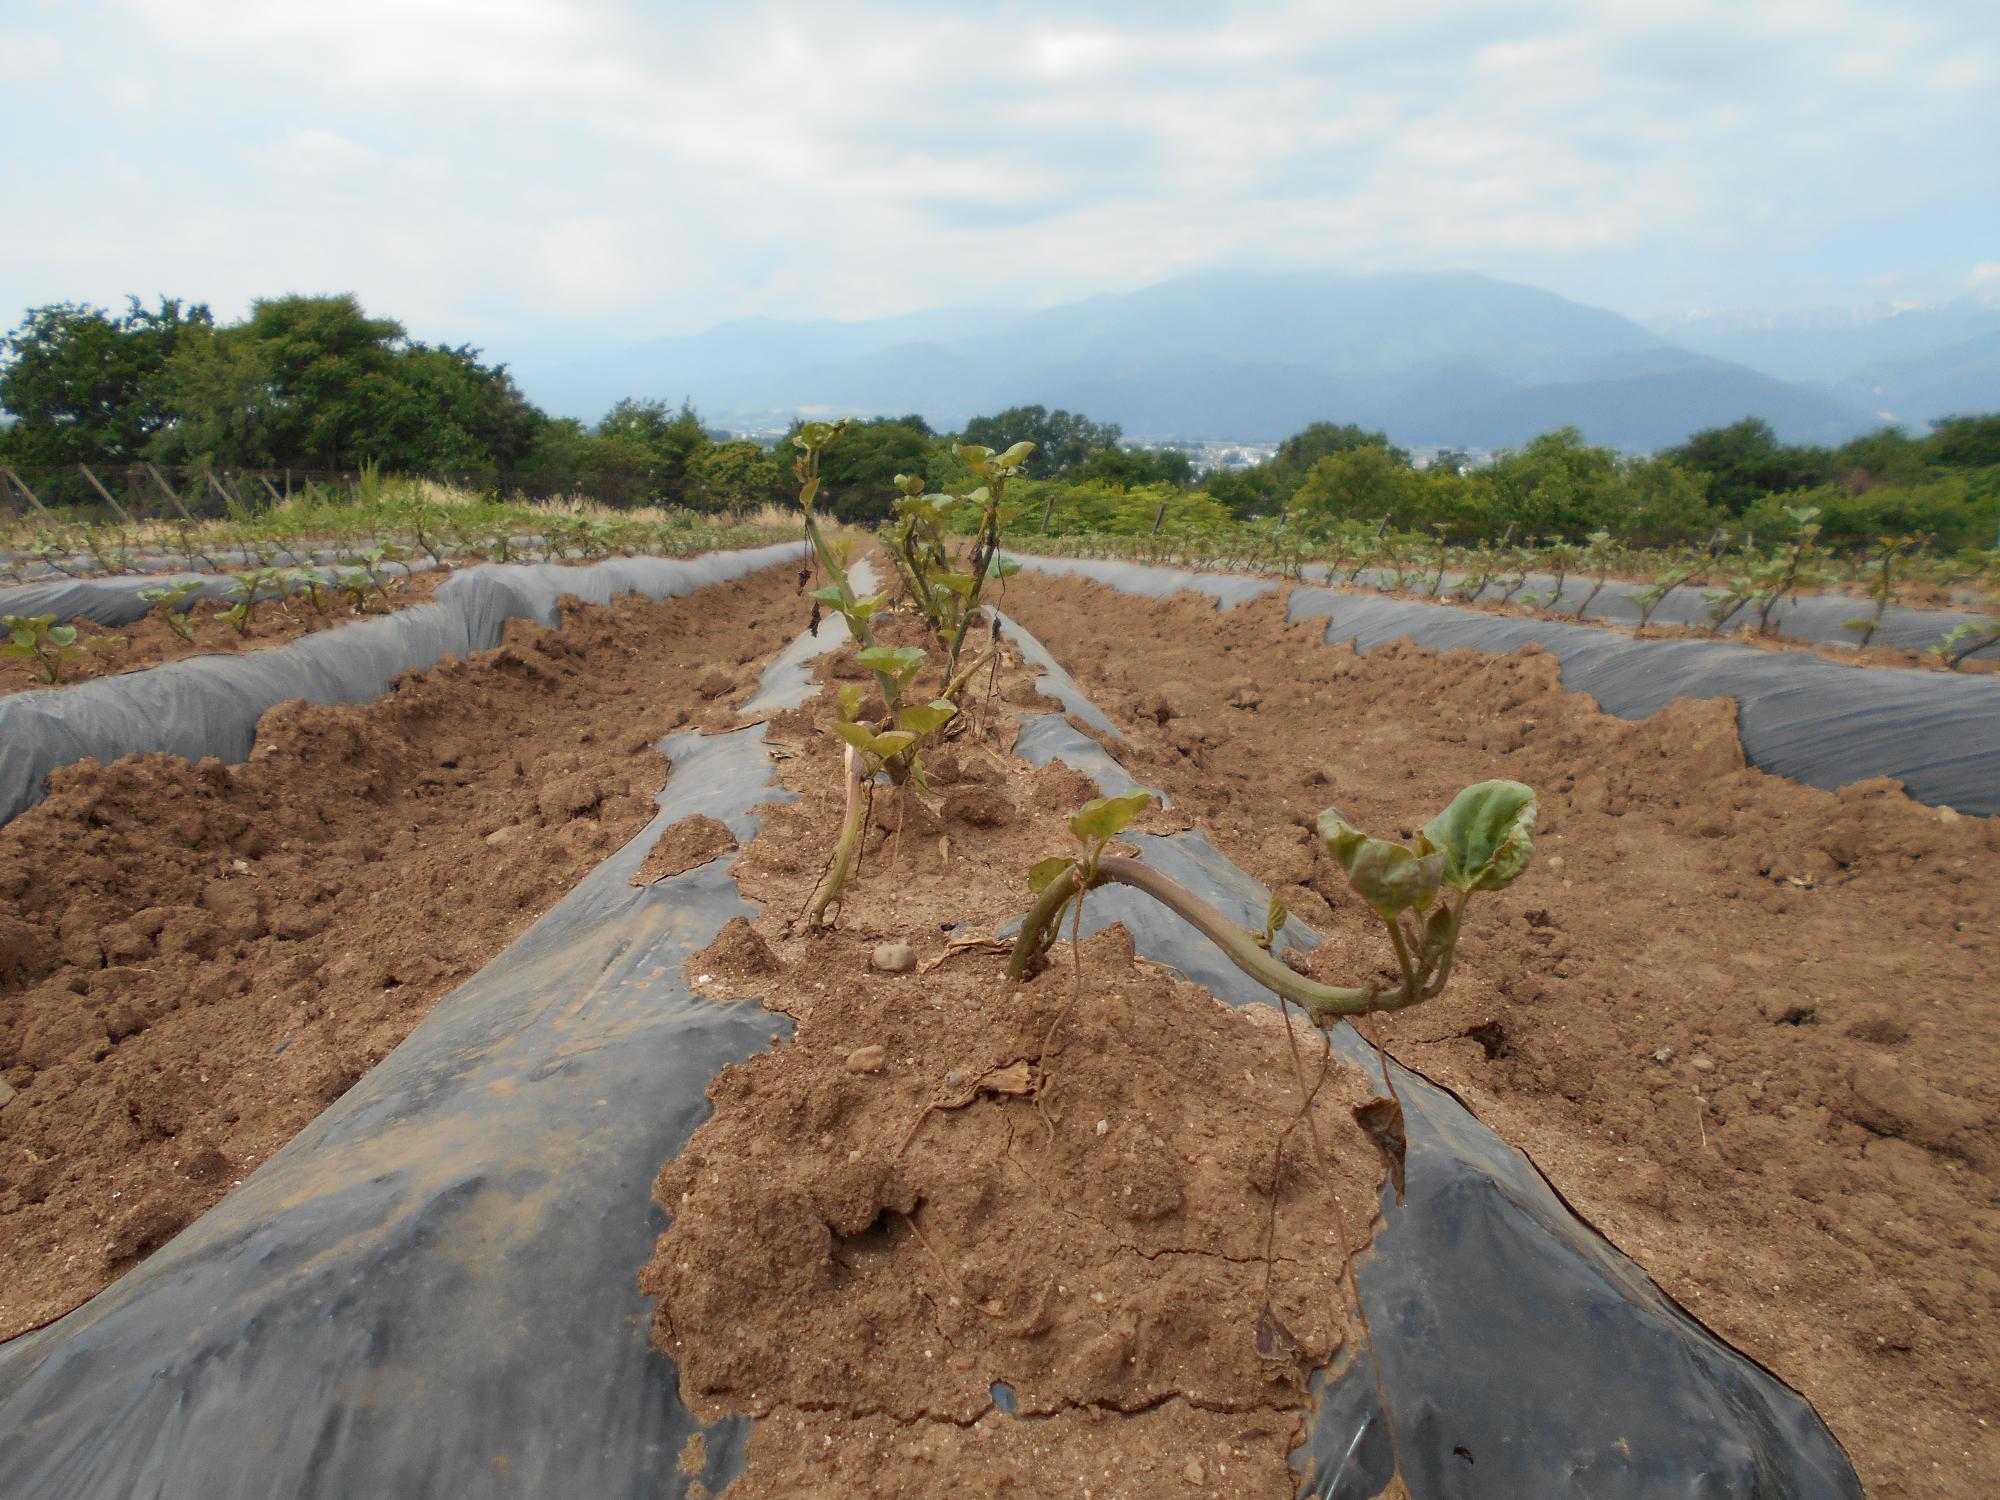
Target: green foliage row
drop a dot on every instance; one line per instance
(316, 383)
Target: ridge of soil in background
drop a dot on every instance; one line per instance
(944, 1181)
(150, 640)
(196, 959)
(1745, 1026)
(1846, 655)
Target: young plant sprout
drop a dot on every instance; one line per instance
(1483, 841)
(946, 592)
(1889, 550)
(310, 584)
(246, 589)
(167, 601)
(1962, 640)
(51, 647)
(1655, 593)
(1787, 569)
(1600, 556)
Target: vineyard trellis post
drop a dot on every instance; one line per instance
(104, 494)
(171, 493)
(22, 485)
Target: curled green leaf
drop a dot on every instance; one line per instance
(1391, 878)
(1486, 835)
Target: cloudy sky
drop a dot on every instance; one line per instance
(526, 174)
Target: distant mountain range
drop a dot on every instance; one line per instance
(1434, 359)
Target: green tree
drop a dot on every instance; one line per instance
(84, 385)
(859, 472)
(1558, 485)
(1965, 442)
(1061, 438)
(1745, 460)
(1360, 484)
(645, 436)
(329, 365)
(1129, 468)
(736, 476)
(440, 408)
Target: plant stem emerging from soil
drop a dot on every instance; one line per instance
(1321, 1001)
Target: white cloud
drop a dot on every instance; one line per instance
(542, 159)
(26, 57)
(314, 153)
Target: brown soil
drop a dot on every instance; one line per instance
(692, 842)
(1744, 1025)
(944, 1181)
(196, 959)
(150, 641)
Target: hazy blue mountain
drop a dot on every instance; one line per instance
(1955, 381)
(1432, 358)
(1652, 408)
(1829, 347)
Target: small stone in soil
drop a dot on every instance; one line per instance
(1194, 1473)
(1664, 1056)
(867, 1059)
(894, 958)
(1701, 1062)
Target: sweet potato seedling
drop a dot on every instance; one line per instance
(1483, 841)
(944, 589)
(1962, 640)
(49, 646)
(1881, 569)
(168, 601)
(246, 589)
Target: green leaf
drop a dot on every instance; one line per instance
(807, 490)
(1487, 835)
(1046, 872)
(860, 736)
(1106, 818)
(910, 484)
(1015, 456)
(62, 635)
(864, 739)
(1004, 567)
(1340, 836)
(1391, 878)
(973, 456)
(959, 583)
(890, 659)
(849, 700)
(829, 594)
(900, 662)
(1437, 931)
(924, 718)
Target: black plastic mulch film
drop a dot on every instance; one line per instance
(1822, 722)
(431, 1291)
(209, 705)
